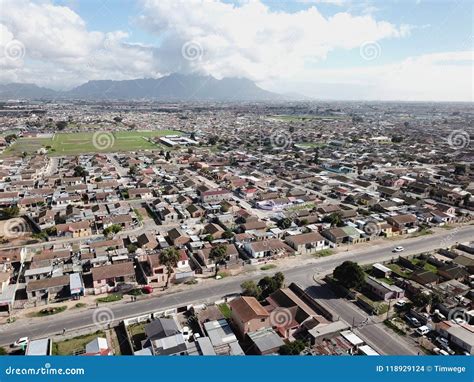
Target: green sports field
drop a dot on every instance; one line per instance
(89, 142)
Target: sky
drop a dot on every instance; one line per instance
(407, 50)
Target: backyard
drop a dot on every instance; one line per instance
(75, 345)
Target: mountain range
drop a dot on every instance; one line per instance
(174, 87)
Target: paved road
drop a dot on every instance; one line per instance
(213, 290)
(374, 333)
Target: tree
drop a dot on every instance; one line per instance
(114, 228)
(10, 138)
(466, 199)
(218, 255)
(10, 212)
(251, 289)
(335, 219)
(349, 274)
(228, 235)
(213, 140)
(268, 284)
(118, 119)
(316, 156)
(279, 278)
(61, 125)
(421, 299)
(168, 156)
(284, 223)
(169, 257)
(209, 238)
(460, 169)
(80, 171)
(132, 248)
(293, 348)
(132, 170)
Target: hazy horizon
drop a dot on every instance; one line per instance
(319, 49)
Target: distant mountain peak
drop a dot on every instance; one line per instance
(173, 87)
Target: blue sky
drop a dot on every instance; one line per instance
(439, 25)
(409, 42)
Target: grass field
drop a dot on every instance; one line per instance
(89, 142)
(301, 118)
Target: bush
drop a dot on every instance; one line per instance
(110, 298)
(49, 311)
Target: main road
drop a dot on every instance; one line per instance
(212, 290)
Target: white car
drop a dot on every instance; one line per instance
(400, 304)
(398, 249)
(422, 330)
(21, 341)
(187, 333)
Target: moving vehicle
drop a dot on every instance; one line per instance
(22, 341)
(398, 249)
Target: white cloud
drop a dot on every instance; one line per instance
(59, 51)
(50, 45)
(251, 40)
(447, 76)
(332, 2)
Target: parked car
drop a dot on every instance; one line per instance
(400, 303)
(187, 333)
(412, 321)
(444, 344)
(440, 351)
(398, 249)
(422, 330)
(442, 341)
(22, 341)
(124, 288)
(439, 315)
(147, 289)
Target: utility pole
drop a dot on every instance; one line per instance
(389, 305)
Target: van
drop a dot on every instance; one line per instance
(422, 330)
